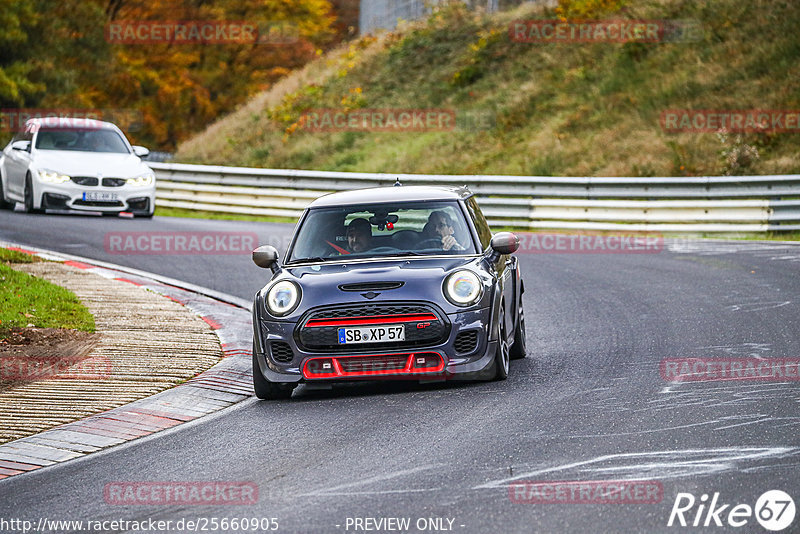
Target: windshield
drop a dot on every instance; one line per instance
(422, 228)
(81, 140)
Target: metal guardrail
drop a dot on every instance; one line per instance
(685, 204)
(385, 14)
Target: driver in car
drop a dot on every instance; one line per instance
(94, 142)
(440, 226)
(359, 235)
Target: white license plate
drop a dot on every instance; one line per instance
(372, 334)
(100, 196)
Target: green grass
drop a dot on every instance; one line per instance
(15, 256)
(554, 109)
(25, 300)
(218, 216)
(768, 236)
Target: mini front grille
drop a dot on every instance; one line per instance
(466, 342)
(88, 181)
(114, 182)
(402, 365)
(373, 364)
(422, 325)
(375, 309)
(281, 351)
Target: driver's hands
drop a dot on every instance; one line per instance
(449, 242)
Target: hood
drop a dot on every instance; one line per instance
(90, 163)
(421, 278)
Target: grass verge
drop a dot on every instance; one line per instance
(218, 216)
(15, 256)
(769, 236)
(557, 109)
(26, 300)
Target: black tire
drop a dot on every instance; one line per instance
(29, 197)
(267, 390)
(519, 348)
(502, 356)
(4, 204)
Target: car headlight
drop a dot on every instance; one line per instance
(282, 298)
(143, 180)
(53, 177)
(463, 288)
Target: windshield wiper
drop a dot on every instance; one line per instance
(408, 253)
(318, 259)
(315, 259)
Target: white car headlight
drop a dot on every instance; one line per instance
(463, 288)
(53, 177)
(282, 298)
(143, 180)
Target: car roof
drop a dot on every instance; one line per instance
(70, 122)
(379, 195)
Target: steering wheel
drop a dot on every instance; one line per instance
(433, 242)
(380, 250)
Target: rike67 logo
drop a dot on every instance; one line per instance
(774, 510)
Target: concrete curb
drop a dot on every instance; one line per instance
(226, 383)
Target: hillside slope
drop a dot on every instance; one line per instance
(572, 109)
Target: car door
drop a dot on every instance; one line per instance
(506, 271)
(505, 268)
(16, 164)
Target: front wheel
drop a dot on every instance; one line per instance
(265, 389)
(502, 356)
(29, 197)
(519, 348)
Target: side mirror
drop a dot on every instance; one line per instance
(141, 151)
(502, 244)
(24, 146)
(266, 257)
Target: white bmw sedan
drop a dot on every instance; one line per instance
(76, 164)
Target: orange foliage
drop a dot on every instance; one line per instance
(176, 88)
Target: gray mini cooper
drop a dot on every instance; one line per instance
(393, 282)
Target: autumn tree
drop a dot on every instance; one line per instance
(56, 54)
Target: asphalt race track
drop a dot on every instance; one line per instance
(589, 403)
